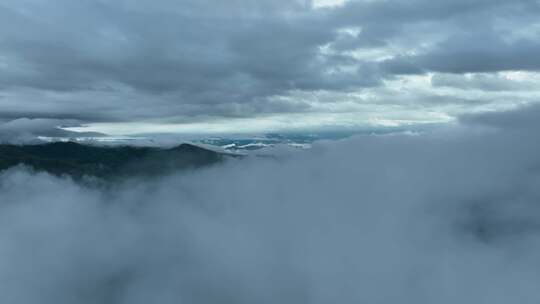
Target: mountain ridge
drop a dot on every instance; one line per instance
(78, 160)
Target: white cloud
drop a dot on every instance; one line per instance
(328, 3)
(445, 217)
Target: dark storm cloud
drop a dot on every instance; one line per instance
(204, 50)
(445, 217)
(178, 58)
(466, 53)
(477, 36)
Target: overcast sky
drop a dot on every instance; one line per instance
(126, 66)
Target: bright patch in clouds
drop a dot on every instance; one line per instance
(273, 123)
(328, 3)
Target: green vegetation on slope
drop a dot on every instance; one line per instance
(79, 160)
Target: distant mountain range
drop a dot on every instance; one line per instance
(260, 142)
(231, 143)
(107, 162)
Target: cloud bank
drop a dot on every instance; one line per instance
(28, 131)
(184, 61)
(446, 217)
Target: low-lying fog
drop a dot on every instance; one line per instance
(447, 217)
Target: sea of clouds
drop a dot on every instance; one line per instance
(451, 216)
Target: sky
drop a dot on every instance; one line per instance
(450, 215)
(125, 67)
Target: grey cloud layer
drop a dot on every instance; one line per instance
(127, 60)
(25, 131)
(448, 217)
